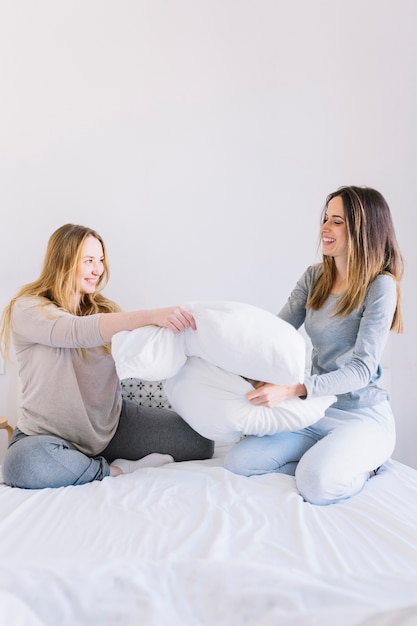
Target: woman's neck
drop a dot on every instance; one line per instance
(338, 287)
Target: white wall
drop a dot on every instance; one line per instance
(200, 138)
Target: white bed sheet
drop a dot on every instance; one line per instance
(191, 543)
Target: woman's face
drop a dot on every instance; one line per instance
(90, 267)
(334, 237)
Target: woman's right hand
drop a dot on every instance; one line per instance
(269, 395)
(175, 318)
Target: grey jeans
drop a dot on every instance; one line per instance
(38, 461)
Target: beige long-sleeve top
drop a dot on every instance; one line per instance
(64, 393)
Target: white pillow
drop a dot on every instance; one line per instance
(246, 340)
(237, 337)
(149, 353)
(213, 402)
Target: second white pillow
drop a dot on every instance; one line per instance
(213, 401)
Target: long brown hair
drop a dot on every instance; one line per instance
(57, 283)
(372, 250)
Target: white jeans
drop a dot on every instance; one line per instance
(331, 460)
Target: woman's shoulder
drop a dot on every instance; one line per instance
(382, 285)
(312, 273)
(23, 303)
(34, 305)
(27, 302)
(383, 281)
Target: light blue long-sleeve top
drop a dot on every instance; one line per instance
(346, 352)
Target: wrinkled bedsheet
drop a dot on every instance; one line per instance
(191, 543)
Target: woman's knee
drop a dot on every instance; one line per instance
(27, 466)
(313, 487)
(247, 459)
(37, 462)
(234, 463)
(321, 487)
(264, 455)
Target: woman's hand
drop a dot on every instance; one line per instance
(269, 395)
(175, 318)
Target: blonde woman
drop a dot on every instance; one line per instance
(73, 426)
(348, 304)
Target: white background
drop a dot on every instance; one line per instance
(200, 138)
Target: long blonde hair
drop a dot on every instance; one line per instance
(57, 282)
(372, 250)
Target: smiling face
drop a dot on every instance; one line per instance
(334, 236)
(90, 266)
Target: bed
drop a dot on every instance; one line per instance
(191, 543)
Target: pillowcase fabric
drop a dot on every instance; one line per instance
(240, 338)
(213, 402)
(246, 340)
(148, 353)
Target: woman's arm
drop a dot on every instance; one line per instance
(293, 312)
(32, 322)
(267, 394)
(359, 354)
(175, 318)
